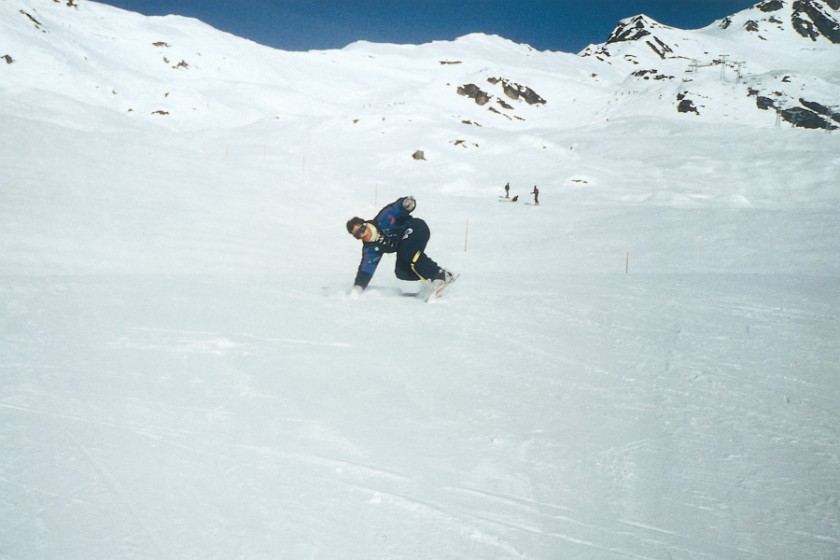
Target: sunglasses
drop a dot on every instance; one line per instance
(360, 232)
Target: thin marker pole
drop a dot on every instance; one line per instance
(466, 234)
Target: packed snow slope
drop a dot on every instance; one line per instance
(643, 366)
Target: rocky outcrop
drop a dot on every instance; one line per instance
(820, 108)
(686, 105)
(475, 93)
(38, 25)
(808, 114)
(803, 118)
(512, 90)
(764, 103)
(639, 28)
(518, 91)
(652, 74)
(631, 29)
(771, 6)
(811, 19)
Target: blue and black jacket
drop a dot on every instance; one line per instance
(391, 222)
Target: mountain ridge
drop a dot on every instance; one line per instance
(789, 71)
(179, 72)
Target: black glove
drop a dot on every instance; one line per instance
(409, 204)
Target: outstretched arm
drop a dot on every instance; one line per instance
(397, 211)
(370, 260)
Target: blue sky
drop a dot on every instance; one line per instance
(558, 25)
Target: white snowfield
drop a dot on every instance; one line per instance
(643, 367)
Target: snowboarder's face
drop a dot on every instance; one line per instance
(362, 232)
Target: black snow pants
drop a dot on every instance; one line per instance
(412, 261)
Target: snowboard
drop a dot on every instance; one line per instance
(436, 294)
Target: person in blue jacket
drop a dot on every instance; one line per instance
(395, 230)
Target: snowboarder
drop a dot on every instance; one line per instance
(507, 190)
(536, 193)
(395, 230)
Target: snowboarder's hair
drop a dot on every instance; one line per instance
(353, 222)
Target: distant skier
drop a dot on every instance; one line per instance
(507, 190)
(395, 230)
(536, 193)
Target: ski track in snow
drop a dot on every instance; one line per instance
(603, 422)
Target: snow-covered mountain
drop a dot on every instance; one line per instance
(181, 73)
(776, 55)
(642, 366)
